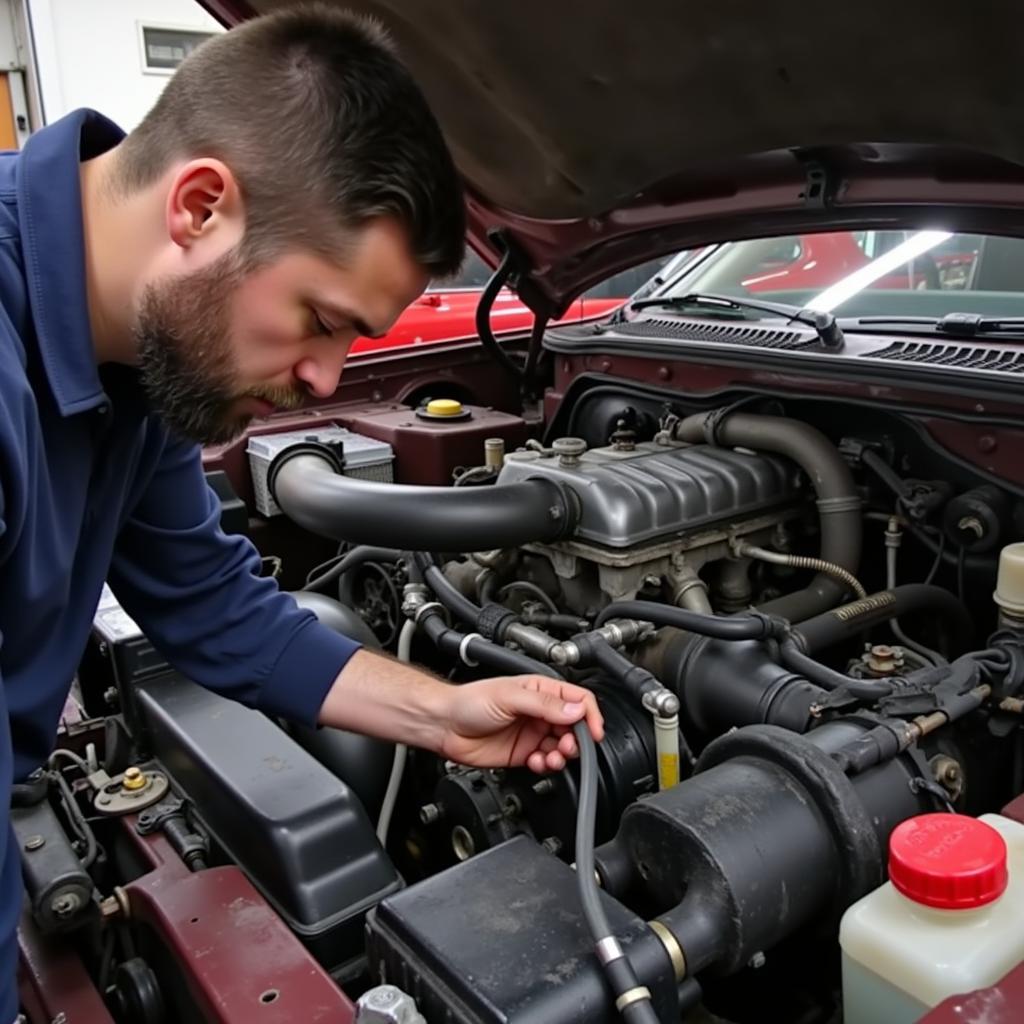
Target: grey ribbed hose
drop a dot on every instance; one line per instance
(837, 572)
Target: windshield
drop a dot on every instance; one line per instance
(867, 273)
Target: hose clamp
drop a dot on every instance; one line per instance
(672, 947)
(430, 606)
(633, 995)
(464, 652)
(713, 423)
(334, 460)
(844, 503)
(608, 949)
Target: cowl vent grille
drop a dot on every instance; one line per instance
(723, 333)
(968, 357)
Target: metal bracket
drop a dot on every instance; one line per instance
(153, 819)
(114, 797)
(819, 187)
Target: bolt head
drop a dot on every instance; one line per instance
(134, 778)
(429, 813)
(66, 905)
(35, 843)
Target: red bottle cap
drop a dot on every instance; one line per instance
(950, 861)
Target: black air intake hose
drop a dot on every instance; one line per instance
(306, 481)
(838, 502)
(850, 620)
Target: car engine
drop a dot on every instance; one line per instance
(785, 608)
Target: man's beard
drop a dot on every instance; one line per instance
(185, 355)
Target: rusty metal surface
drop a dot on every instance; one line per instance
(52, 981)
(1003, 1003)
(240, 961)
(1015, 810)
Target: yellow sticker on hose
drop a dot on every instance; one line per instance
(668, 770)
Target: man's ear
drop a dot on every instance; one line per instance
(204, 199)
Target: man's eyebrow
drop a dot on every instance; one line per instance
(340, 312)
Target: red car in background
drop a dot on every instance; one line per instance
(447, 309)
(816, 261)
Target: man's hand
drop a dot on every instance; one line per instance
(494, 723)
(517, 720)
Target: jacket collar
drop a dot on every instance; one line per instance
(50, 219)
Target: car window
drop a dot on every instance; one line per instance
(623, 284)
(865, 273)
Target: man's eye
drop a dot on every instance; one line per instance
(320, 326)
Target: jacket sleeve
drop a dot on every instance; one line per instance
(197, 594)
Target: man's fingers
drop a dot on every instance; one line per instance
(558, 703)
(555, 761)
(579, 695)
(567, 745)
(549, 707)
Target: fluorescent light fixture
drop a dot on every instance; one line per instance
(916, 245)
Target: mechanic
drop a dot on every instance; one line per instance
(289, 191)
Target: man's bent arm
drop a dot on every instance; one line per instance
(506, 721)
(390, 700)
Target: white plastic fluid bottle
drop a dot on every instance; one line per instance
(949, 920)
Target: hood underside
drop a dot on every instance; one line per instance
(595, 133)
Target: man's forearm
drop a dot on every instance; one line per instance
(381, 697)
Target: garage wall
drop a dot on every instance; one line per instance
(88, 53)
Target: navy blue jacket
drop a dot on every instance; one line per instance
(92, 487)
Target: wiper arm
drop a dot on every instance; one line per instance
(829, 333)
(964, 325)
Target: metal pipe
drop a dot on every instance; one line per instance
(893, 539)
(308, 486)
(688, 589)
(494, 453)
(837, 572)
(666, 745)
(838, 501)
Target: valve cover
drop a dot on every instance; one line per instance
(629, 498)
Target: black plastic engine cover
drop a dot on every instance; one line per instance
(298, 831)
(502, 938)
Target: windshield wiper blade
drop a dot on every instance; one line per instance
(825, 324)
(964, 325)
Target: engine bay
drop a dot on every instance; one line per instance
(800, 613)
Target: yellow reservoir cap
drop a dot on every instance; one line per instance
(134, 778)
(444, 407)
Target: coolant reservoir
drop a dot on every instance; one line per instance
(948, 920)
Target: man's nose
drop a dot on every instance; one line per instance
(321, 374)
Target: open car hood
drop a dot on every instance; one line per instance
(594, 134)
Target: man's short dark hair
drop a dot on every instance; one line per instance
(324, 129)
